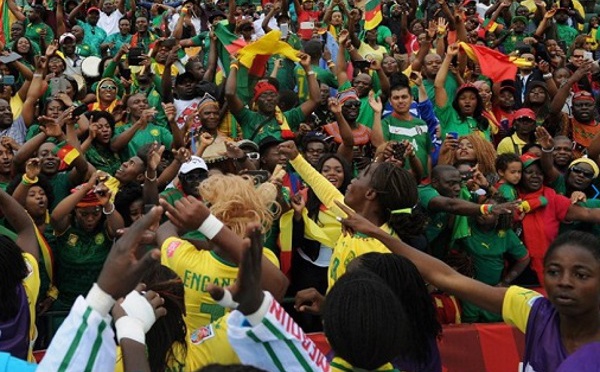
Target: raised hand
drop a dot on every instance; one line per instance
(154, 156)
(309, 301)
(187, 214)
(33, 168)
(334, 105)
(129, 259)
(544, 138)
(289, 149)
(375, 103)
(246, 291)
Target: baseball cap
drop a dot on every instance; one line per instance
(247, 144)
(65, 36)
(524, 113)
(528, 158)
(195, 162)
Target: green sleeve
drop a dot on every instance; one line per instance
(294, 117)
(328, 78)
(382, 33)
(167, 137)
(444, 114)
(247, 121)
(426, 194)
(110, 69)
(515, 246)
(197, 40)
(385, 128)
(508, 191)
(346, 85)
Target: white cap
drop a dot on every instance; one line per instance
(66, 35)
(195, 162)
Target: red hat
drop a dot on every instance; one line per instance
(524, 113)
(93, 8)
(89, 200)
(262, 87)
(528, 158)
(467, 2)
(466, 86)
(583, 95)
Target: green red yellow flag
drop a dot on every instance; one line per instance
(372, 14)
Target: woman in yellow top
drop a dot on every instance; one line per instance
(382, 193)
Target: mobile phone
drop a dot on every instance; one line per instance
(588, 56)
(399, 149)
(563, 45)
(7, 80)
(134, 58)
(58, 85)
(453, 135)
(413, 76)
(361, 65)
(79, 110)
(285, 29)
(125, 73)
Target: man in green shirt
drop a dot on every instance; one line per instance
(268, 120)
(401, 125)
(114, 42)
(140, 131)
(314, 49)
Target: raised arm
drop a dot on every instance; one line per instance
(346, 149)
(343, 44)
(14, 9)
(76, 10)
(21, 222)
(377, 138)
(547, 143)
(211, 66)
(433, 270)
(313, 87)
(190, 214)
(235, 103)
(60, 219)
(441, 97)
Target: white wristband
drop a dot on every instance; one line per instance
(210, 227)
(227, 300)
(131, 328)
(138, 307)
(256, 317)
(99, 300)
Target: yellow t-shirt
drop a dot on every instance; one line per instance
(206, 345)
(368, 53)
(348, 247)
(32, 288)
(506, 146)
(16, 106)
(517, 306)
(197, 269)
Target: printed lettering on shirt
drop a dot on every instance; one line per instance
(408, 132)
(200, 335)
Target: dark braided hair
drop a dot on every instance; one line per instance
(12, 272)
(125, 197)
(402, 276)
(364, 321)
(169, 329)
(397, 189)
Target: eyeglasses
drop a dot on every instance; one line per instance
(585, 173)
(253, 155)
(108, 87)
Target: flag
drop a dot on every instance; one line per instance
(372, 14)
(66, 153)
(7, 19)
(254, 56)
(228, 44)
(495, 65)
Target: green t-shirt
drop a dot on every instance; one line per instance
(323, 75)
(251, 120)
(32, 32)
(285, 74)
(511, 42)
(152, 133)
(103, 158)
(451, 86)
(92, 36)
(80, 256)
(366, 113)
(118, 40)
(487, 250)
(566, 33)
(437, 229)
(61, 188)
(451, 122)
(559, 185)
(583, 226)
(415, 131)
(508, 191)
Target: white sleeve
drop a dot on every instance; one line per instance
(84, 342)
(275, 343)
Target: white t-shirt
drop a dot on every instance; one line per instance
(185, 108)
(110, 23)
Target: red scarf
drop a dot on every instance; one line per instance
(534, 230)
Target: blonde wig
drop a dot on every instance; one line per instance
(236, 201)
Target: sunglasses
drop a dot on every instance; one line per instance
(585, 173)
(253, 155)
(352, 104)
(108, 87)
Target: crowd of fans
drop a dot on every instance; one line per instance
(350, 159)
